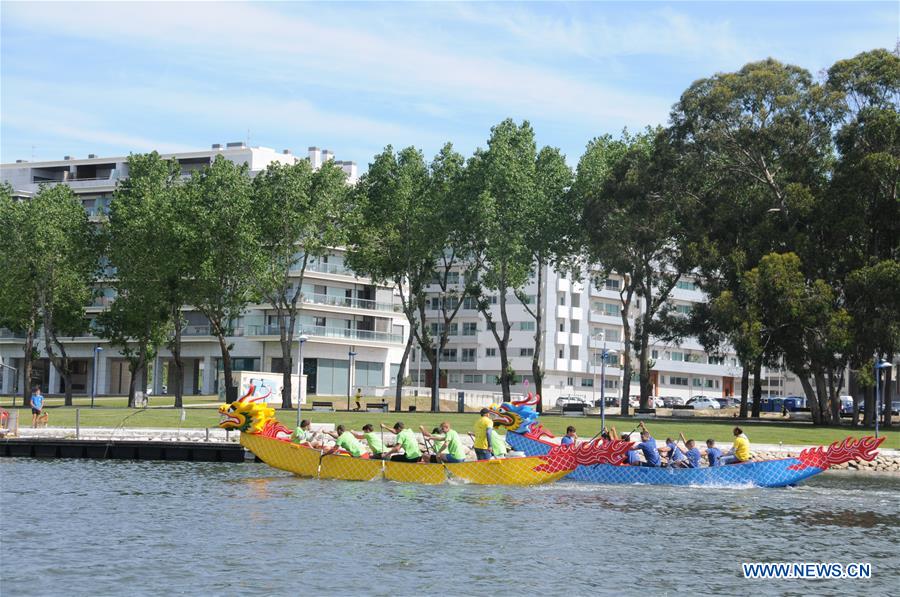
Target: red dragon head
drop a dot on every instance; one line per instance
(865, 448)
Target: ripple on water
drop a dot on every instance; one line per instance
(150, 528)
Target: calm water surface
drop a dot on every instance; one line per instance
(80, 527)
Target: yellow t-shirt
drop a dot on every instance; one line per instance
(481, 427)
(742, 447)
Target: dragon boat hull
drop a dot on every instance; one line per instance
(308, 462)
(769, 473)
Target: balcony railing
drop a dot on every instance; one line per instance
(330, 268)
(355, 303)
(322, 331)
(206, 330)
(7, 334)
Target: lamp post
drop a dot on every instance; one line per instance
(351, 353)
(436, 379)
(300, 340)
(15, 379)
(604, 356)
(97, 350)
(878, 408)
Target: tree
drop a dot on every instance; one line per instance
(63, 262)
(18, 292)
(637, 222)
(298, 213)
(223, 237)
(552, 220)
(149, 246)
(502, 184)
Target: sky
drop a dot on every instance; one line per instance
(116, 78)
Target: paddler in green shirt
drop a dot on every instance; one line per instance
(449, 442)
(406, 441)
(498, 444)
(376, 446)
(303, 435)
(343, 439)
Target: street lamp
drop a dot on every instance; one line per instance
(878, 408)
(352, 354)
(604, 356)
(300, 340)
(97, 350)
(436, 379)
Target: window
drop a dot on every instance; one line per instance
(575, 326)
(562, 352)
(677, 356)
(530, 299)
(576, 300)
(470, 328)
(470, 303)
(697, 382)
(493, 299)
(454, 329)
(610, 309)
(562, 298)
(678, 381)
(320, 322)
(526, 352)
(683, 309)
(611, 384)
(714, 360)
(562, 325)
(490, 352)
(471, 378)
(612, 284)
(709, 383)
(686, 285)
(448, 354)
(654, 354)
(587, 382)
(468, 355)
(573, 352)
(526, 326)
(606, 334)
(453, 277)
(453, 377)
(570, 381)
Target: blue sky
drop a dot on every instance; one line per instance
(113, 78)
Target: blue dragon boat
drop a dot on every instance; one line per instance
(603, 461)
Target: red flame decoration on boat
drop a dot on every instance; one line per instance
(865, 448)
(276, 430)
(537, 431)
(561, 458)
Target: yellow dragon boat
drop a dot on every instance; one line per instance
(269, 440)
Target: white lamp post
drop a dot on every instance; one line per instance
(604, 356)
(878, 408)
(97, 350)
(300, 340)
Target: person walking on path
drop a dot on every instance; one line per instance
(37, 405)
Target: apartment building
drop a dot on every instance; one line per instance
(579, 321)
(342, 313)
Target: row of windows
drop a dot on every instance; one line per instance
(689, 357)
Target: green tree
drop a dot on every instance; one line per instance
(298, 214)
(63, 262)
(18, 291)
(637, 224)
(149, 246)
(223, 241)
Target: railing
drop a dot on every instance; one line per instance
(355, 303)
(5, 333)
(206, 330)
(330, 268)
(322, 331)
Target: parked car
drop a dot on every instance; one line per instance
(728, 402)
(846, 405)
(895, 407)
(563, 401)
(658, 402)
(703, 402)
(670, 401)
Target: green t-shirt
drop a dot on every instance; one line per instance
(349, 443)
(408, 442)
(300, 436)
(375, 444)
(454, 446)
(498, 444)
(438, 445)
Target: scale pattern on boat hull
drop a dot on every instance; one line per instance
(770, 473)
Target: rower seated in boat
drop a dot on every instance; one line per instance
(406, 441)
(631, 457)
(447, 445)
(740, 451)
(713, 454)
(648, 447)
(569, 438)
(344, 440)
(303, 435)
(691, 452)
(483, 430)
(376, 446)
(676, 457)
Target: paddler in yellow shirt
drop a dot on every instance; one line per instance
(484, 430)
(740, 450)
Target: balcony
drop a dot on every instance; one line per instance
(321, 331)
(206, 330)
(6, 334)
(352, 303)
(330, 268)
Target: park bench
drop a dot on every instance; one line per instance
(325, 406)
(573, 410)
(645, 413)
(376, 407)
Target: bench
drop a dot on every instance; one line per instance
(573, 410)
(376, 407)
(324, 406)
(645, 413)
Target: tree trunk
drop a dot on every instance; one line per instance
(626, 362)
(144, 374)
(230, 389)
(887, 394)
(757, 388)
(287, 368)
(811, 397)
(398, 394)
(176, 378)
(28, 365)
(536, 370)
(822, 395)
(869, 407)
(834, 400)
(61, 362)
(644, 355)
(133, 368)
(745, 389)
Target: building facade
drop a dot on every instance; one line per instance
(341, 313)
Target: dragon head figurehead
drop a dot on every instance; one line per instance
(516, 416)
(248, 414)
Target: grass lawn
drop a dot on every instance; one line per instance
(112, 413)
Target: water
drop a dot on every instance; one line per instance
(81, 527)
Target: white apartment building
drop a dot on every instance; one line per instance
(341, 312)
(579, 320)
